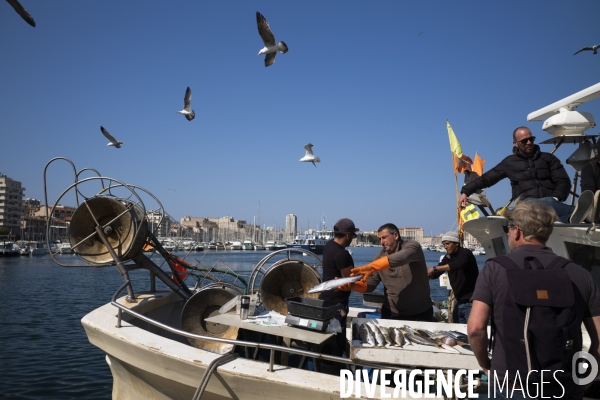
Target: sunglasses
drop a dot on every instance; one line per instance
(507, 227)
(529, 139)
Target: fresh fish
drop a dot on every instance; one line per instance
(399, 338)
(334, 283)
(418, 339)
(445, 339)
(366, 336)
(405, 335)
(377, 333)
(386, 335)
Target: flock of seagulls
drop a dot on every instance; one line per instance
(270, 49)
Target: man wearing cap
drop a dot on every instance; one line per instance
(462, 272)
(337, 263)
(405, 285)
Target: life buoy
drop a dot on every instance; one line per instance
(181, 270)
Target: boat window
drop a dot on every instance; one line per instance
(587, 256)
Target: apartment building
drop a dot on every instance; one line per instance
(11, 204)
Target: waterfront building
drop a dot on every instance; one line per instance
(11, 205)
(291, 226)
(411, 233)
(60, 220)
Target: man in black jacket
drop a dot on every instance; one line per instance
(462, 272)
(532, 174)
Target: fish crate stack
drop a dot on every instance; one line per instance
(416, 355)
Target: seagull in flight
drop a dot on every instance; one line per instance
(271, 47)
(113, 141)
(592, 48)
(309, 156)
(187, 105)
(21, 11)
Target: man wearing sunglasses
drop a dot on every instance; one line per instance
(532, 174)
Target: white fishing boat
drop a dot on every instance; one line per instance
(259, 246)
(236, 245)
(248, 245)
(270, 245)
(175, 344)
(36, 248)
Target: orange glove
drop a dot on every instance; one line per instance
(358, 286)
(366, 270)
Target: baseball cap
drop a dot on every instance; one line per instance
(344, 225)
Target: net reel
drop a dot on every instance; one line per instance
(287, 277)
(121, 221)
(205, 303)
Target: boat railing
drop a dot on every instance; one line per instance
(241, 343)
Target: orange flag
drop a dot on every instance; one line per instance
(478, 165)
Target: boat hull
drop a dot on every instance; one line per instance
(317, 249)
(146, 364)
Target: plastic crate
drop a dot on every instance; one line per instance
(374, 299)
(311, 308)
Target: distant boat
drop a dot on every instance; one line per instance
(270, 245)
(7, 249)
(259, 246)
(247, 245)
(236, 245)
(311, 243)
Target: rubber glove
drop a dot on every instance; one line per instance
(366, 270)
(358, 286)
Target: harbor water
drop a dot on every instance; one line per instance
(45, 351)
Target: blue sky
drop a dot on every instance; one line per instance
(369, 84)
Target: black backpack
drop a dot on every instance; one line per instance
(546, 304)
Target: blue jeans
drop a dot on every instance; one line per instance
(563, 210)
(461, 312)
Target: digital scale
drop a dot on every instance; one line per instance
(307, 323)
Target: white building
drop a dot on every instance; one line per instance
(11, 204)
(291, 226)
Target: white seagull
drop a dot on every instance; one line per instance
(591, 48)
(113, 141)
(271, 47)
(309, 156)
(21, 11)
(187, 105)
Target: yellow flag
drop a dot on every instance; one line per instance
(454, 143)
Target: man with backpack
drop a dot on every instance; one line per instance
(533, 290)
